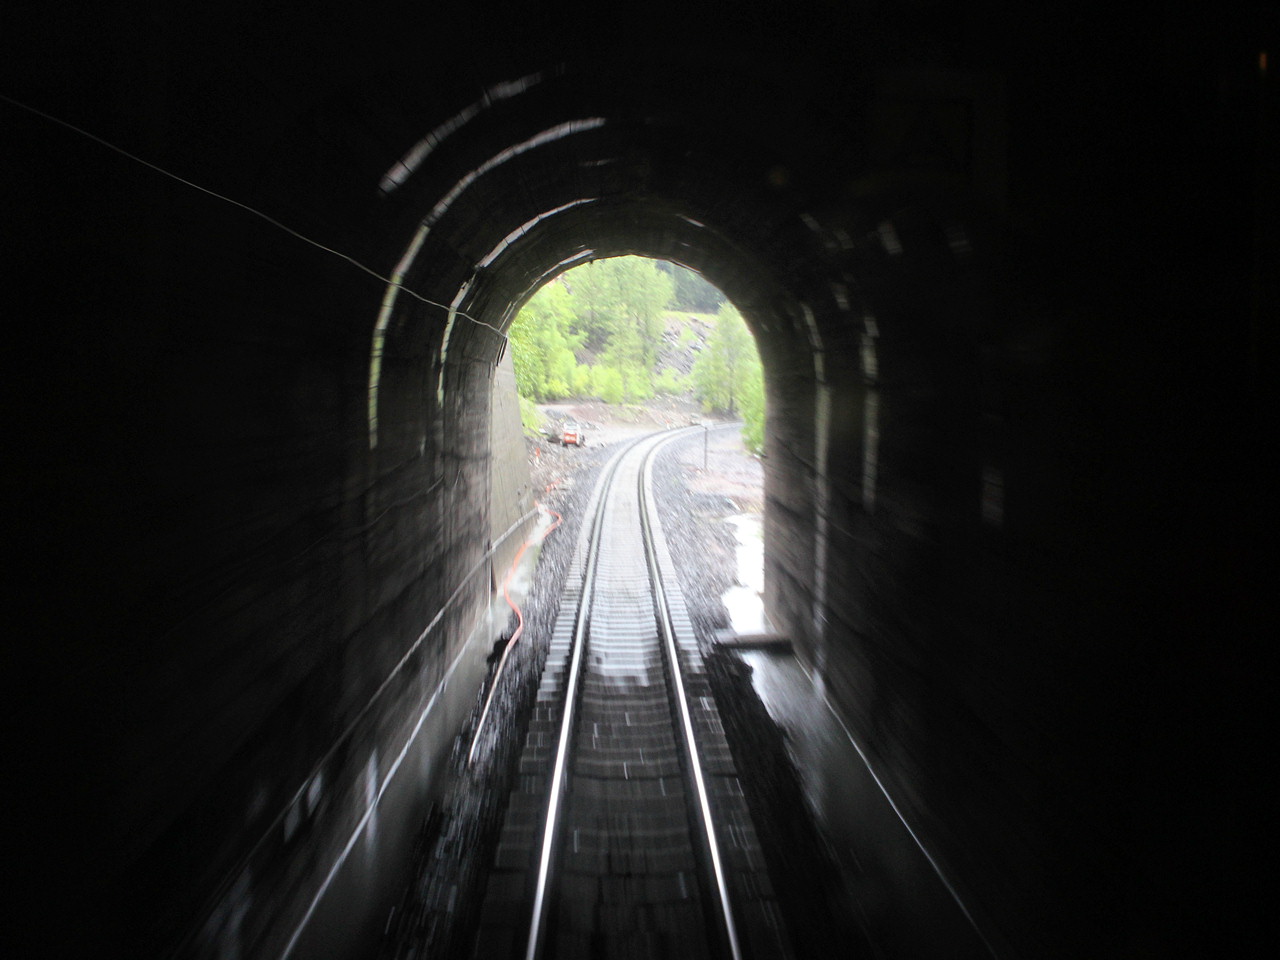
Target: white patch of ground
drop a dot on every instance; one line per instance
(743, 600)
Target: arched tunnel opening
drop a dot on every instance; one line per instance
(262, 271)
(766, 258)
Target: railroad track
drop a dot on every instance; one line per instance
(627, 834)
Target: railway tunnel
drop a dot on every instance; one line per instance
(1007, 275)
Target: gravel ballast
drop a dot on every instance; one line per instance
(439, 911)
(703, 546)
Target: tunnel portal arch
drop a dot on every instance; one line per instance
(876, 329)
(577, 185)
(513, 198)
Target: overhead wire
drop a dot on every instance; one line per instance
(80, 131)
(290, 231)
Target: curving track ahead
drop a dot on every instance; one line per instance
(628, 835)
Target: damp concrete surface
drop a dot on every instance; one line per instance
(901, 900)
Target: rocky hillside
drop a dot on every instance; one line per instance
(683, 339)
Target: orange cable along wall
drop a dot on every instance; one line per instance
(519, 630)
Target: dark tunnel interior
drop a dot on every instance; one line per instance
(1009, 269)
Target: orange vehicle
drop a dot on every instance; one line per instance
(572, 433)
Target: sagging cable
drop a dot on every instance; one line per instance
(243, 206)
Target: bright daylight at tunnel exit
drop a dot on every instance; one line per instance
(630, 332)
(738, 481)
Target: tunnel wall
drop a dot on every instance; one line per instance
(264, 607)
(512, 491)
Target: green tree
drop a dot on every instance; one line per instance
(611, 310)
(582, 380)
(692, 292)
(637, 384)
(626, 348)
(669, 381)
(531, 419)
(543, 344)
(618, 305)
(722, 369)
(606, 383)
(751, 403)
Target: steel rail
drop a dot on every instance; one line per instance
(554, 803)
(701, 823)
(648, 520)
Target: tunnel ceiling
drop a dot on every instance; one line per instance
(576, 173)
(561, 166)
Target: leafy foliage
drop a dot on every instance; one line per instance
(692, 292)
(752, 406)
(720, 368)
(606, 383)
(610, 312)
(543, 345)
(670, 382)
(728, 377)
(531, 419)
(619, 304)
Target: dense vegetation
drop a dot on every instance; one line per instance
(727, 376)
(692, 293)
(598, 330)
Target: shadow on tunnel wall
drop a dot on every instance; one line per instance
(1008, 279)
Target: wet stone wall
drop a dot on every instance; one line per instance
(511, 495)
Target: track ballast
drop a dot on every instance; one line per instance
(627, 834)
